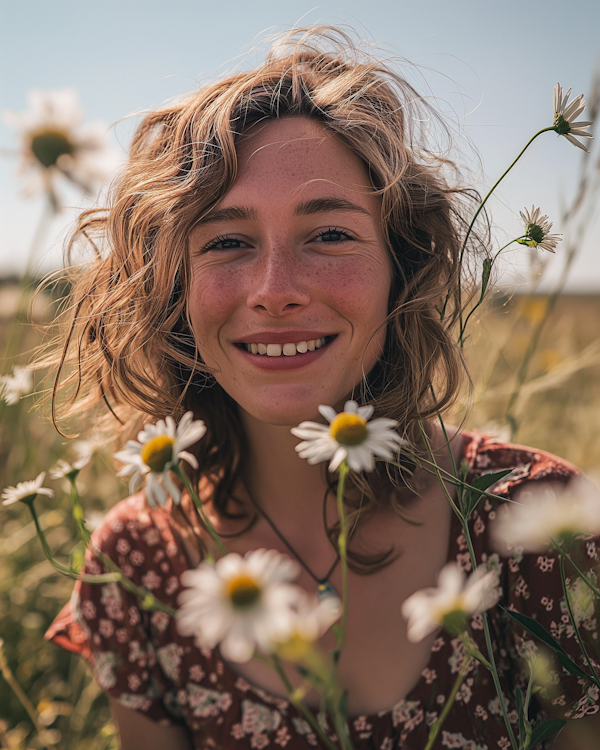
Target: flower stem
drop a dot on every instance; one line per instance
(20, 693)
(180, 474)
(486, 628)
(594, 679)
(480, 209)
(436, 469)
(581, 575)
(300, 706)
(463, 326)
(437, 725)
(343, 550)
(488, 643)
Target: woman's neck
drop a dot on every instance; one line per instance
(283, 484)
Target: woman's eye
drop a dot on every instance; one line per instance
(224, 243)
(334, 235)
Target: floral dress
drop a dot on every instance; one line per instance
(141, 660)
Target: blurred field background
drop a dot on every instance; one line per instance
(533, 351)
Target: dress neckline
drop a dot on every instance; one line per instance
(413, 694)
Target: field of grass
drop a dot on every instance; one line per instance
(556, 409)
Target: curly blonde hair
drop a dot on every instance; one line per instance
(128, 338)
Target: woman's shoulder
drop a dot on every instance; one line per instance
(486, 454)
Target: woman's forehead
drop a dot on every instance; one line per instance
(298, 156)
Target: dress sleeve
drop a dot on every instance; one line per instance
(105, 624)
(535, 589)
(531, 583)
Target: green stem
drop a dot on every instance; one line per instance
(463, 326)
(437, 725)
(595, 680)
(581, 575)
(488, 643)
(436, 471)
(343, 550)
(480, 209)
(180, 474)
(300, 706)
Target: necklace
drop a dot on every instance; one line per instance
(325, 589)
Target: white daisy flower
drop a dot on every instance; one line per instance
(548, 513)
(537, 228)
(26, 491)
(156, 451)
(55, 144)
(241, 603)
(63, 469)
(310, 619)
(566, 114)
(13, 387)
(449, 604)
(349, 436)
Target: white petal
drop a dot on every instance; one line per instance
(328, 412)
(338, 457)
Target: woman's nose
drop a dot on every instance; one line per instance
(278, 284)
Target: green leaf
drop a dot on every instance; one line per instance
(543, 731)
(472, 497)
(485, 276)
(534, 627)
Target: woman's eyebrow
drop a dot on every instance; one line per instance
(239, 213)
(323, 205)
(313, 206)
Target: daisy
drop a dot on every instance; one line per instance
(241, 603)
(566, 114)
(536, 230)
(54, 143)
(349, 436)
(310, 619)
(14, 387)
(546, 514)
(26, 492)
(449, 604)
(157, 450)
(64, 469)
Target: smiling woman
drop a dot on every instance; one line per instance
(278, 241)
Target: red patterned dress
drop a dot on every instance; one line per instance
(140, 659)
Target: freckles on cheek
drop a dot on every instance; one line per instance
(213, 298)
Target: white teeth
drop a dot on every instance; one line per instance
(288, 350)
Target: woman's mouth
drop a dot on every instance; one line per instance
(290, 349)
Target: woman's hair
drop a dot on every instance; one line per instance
(129, 342)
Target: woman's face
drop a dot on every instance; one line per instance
(291, 262)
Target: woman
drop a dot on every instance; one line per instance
(277, 241)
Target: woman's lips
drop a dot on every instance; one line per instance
(279, 356)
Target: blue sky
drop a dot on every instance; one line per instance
(490, 66)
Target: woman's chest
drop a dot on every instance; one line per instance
(378, 665)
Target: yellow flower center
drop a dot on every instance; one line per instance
(49, 145)
(243, 591)
(157, 452)
(348, 429)
(296, 649)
